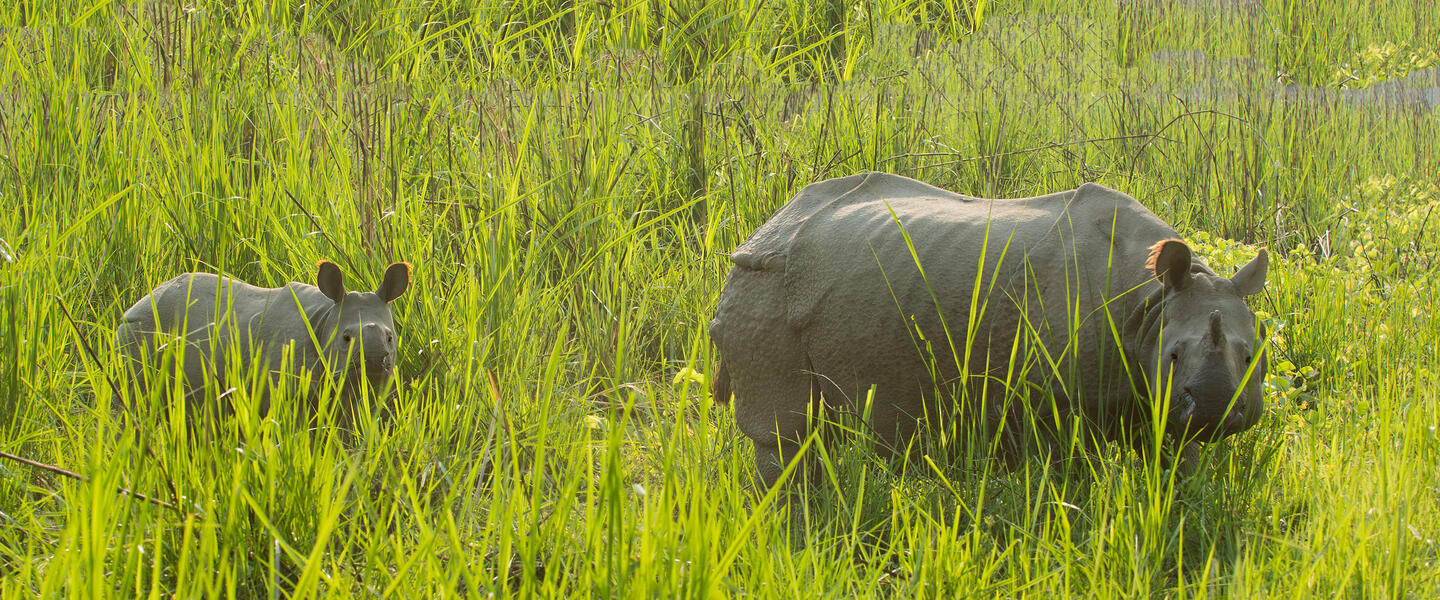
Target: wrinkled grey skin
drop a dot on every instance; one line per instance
(215, 316)
(826, 297)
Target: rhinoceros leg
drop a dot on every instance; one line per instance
(134, 345)
(141, 344)
(768, 368)
(771, 409)
(143, 340)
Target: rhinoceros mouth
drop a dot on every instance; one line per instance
(1181, 412)
(360, 372)
(1187, 406)
(378, 375)
(1183, 422)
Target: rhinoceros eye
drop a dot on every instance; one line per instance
(1174, 357)
(345, 338)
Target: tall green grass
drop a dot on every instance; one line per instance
(567, 176)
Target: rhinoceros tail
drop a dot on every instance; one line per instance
(720, 391)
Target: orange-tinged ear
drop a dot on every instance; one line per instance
(330, 281)
(1170, 262)
(397, 279)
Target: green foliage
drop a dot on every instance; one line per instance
(567, 176)
(1383, 62)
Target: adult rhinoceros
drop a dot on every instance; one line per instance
(317, 327)
(983, 309)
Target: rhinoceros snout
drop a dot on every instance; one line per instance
(371, 349)
(1208, 412)
(1236, 421)
(384, 362)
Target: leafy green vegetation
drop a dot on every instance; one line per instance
(566, 177)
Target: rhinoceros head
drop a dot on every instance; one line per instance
(1196, 340)
(364, 331)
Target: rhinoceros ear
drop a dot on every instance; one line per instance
(397, 279)
(1170, 262)
(330, 281)
(1251, 277)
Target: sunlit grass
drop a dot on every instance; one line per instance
(567, 177)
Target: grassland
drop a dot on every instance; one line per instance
(567, 176)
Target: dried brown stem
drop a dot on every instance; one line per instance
(73, 475)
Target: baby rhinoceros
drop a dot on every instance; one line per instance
(320, 328)
(1078, 308)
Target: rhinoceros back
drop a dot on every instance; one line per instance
(844, 242)
(767, 247)
(203, 306)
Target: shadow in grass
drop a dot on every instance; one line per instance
(858, 502)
